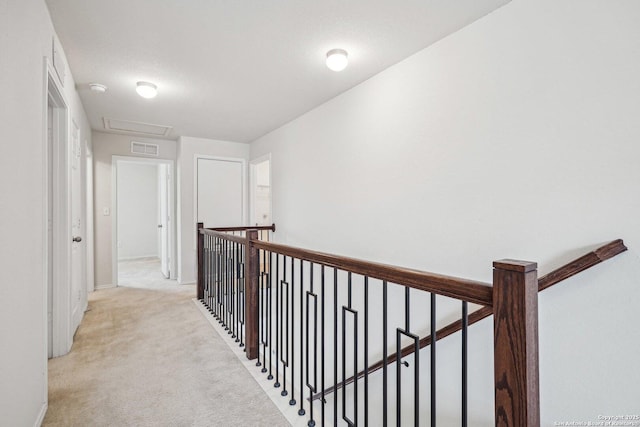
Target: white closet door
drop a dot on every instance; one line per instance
(220, 192)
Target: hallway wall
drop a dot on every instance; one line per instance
(516, 137)
(25, 39)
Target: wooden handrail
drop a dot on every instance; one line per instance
(271, 227)
(453, 287)
(572, 268)
(238, 239)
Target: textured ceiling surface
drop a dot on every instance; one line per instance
(236, 70)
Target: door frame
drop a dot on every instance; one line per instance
(243, 164)
(58, 153)
(252, 186)
(114, 211)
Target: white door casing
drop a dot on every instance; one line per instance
(171, 229)
(57, 217)
(164, 180)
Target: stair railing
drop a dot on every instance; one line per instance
(311, 318)
(556, 276)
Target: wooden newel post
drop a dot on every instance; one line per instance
(251, 294)
(515, 320)
(200, 261)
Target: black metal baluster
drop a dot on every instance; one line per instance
(243, 283)
(312, 388)
(218, 276)
(238, 284)
(278, 321)
(263, 312)
(239, 298)
(433, 359)
(234, 290)
(291, 333)
(225, 263)
(335, 345)
(399, 361)
(407, 306)
(234, 301)
(226, 285)
(349, 309)
(284, 295)
(210, 275)
(465, 325)
(416, 376)
(366, 350)
(302, 293)
(208, 265)
(384, 355)
(322, 400)
(204, 269)
(230, 287)
(270, 333)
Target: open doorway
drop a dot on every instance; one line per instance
(261, 191)
(143, 223)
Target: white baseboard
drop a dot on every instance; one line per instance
(186, 283)
(109, 286)
(43, 412)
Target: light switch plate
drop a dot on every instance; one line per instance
(106, 211)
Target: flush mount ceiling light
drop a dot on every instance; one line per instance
(337, 59)
(146, 89)
(97, 87)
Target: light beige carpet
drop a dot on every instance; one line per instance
(149, 358)
(143, 273)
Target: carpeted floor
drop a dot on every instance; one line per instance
(143, 273)
(148, 358)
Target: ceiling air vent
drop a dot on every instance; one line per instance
(145, 149)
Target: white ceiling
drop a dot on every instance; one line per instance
(237, 69)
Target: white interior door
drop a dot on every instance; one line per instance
(220, 198)
(163, 218)
(78, 290)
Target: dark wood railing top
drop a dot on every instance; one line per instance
(223, 235)
(578, 265)
(271, 227)
(453, 287)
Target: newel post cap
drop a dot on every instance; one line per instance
(515, 265)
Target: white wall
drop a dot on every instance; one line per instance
(514, 137)
(25, 39)
(137, 210)
(188, 149)
(105, 146)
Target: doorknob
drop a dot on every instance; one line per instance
(77, 239)
(159, 225)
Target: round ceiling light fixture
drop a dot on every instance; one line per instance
(337, 59)
(146, 89)
(97, 87)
